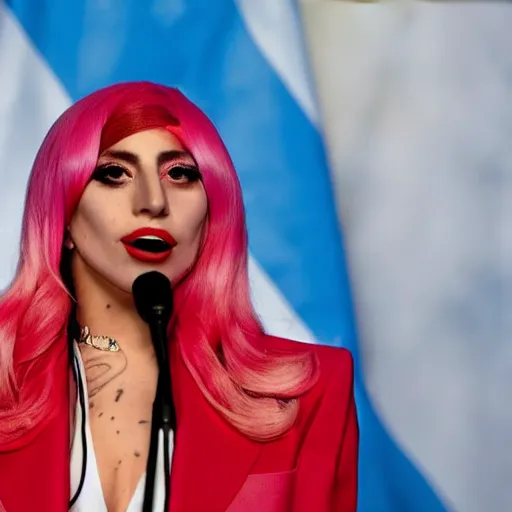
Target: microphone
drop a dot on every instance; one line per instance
(153, 299)
(153, 296)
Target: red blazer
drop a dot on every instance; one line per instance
(313, 468)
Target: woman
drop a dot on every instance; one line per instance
(134, 178)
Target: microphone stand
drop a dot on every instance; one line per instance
(164, 414)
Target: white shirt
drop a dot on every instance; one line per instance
(90, 496)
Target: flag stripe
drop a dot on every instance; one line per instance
(275, 28)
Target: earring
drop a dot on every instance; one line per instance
(68, 242)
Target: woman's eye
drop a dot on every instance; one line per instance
(109, 174)
(184, 174)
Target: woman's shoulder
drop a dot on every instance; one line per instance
(328, 406)
(335, 364)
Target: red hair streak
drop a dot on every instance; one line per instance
(130, 118)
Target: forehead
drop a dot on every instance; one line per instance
(148, 141)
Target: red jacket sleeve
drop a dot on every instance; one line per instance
(345, 494)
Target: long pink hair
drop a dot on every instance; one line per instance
(215, 325)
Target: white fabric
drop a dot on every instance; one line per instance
(91, 495)
(276, 30)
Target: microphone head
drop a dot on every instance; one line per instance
(152, 295)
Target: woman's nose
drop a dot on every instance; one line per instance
(150, 196)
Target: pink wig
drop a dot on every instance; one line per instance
(215, 325)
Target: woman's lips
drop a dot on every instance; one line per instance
(166, 240)
(141, 232)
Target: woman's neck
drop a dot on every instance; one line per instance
(113, 314)
(125, 326)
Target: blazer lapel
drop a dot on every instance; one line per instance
(211, 460)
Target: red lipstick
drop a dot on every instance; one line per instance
(150, 245)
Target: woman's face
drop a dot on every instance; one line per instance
(144, 209)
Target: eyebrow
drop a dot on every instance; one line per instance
(132, 158)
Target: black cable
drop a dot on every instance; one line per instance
(81, 398)
(73, 333)
(153, 450)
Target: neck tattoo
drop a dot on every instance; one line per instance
(103, 343)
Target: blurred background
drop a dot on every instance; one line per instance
(372, 140)
(416, 102)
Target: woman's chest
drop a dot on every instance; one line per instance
(120, 432)
(120, 421)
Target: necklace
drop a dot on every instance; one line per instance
(104, 343)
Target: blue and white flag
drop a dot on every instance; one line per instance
(242, 62)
